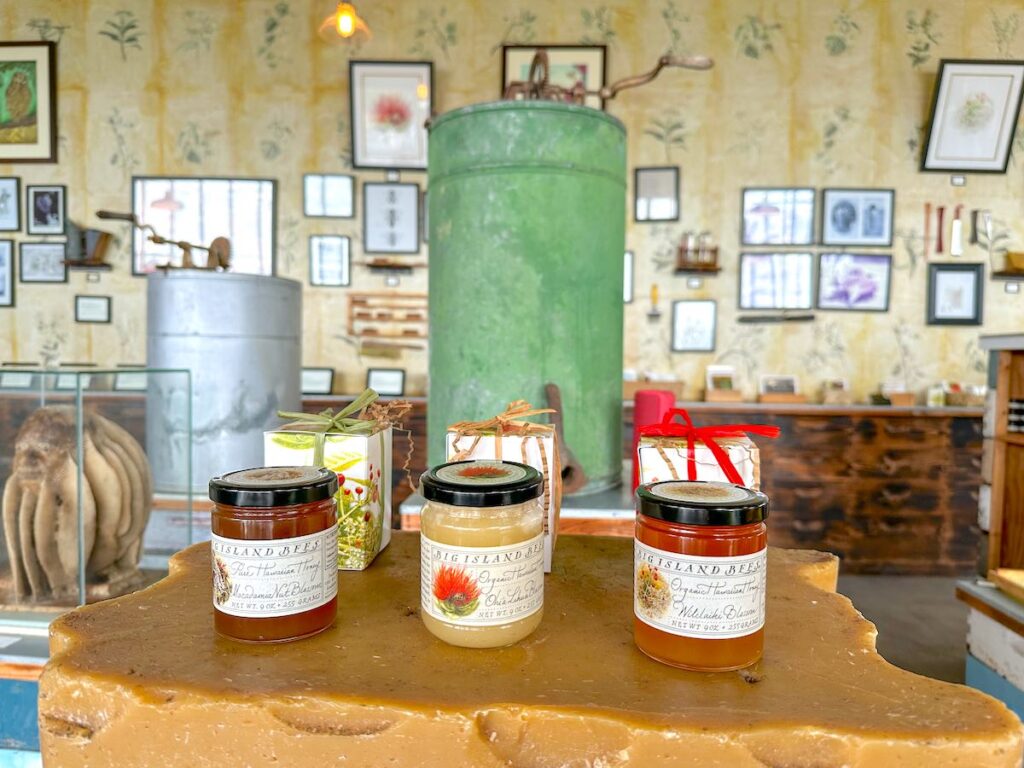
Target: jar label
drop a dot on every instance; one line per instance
(481, 586)
(712, 598)
(261, 579)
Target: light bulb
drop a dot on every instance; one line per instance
(346, 20)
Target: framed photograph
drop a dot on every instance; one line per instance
(28, 102)
(857, 216)
(130, 381)
(775, 384)
(387, 382)
(329, 195)
(92, 309)
(776, 281)
(955, 294)
(656, 194)
(391, 217)
(629, 266)
(330, 262)
(390, 103)
(6, 273)
(568, 65)
(854, 281)
(17, 380)
(778, 216)
(46, 207)
(42, 263)
(720, 377)
(974, 115)
(317, 381)
(10, 204)
(693, 325)
(197, 210)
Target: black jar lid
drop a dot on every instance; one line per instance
(482, 483)
(696, 502)
(274, 487)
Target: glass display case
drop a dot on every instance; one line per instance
(83, 520)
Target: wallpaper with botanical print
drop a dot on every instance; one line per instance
(804, 92)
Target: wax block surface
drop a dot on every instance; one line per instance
(144, 681)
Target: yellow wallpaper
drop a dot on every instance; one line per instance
(805, 92)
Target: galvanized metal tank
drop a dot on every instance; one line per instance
(527, 234)
(241, 336)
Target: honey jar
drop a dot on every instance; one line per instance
(482, 552)
(274, 552)
(700, 557)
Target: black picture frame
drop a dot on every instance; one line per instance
(761, 254)
(51, 64)
(674, 343)
(309, 388)
(31, 227)
(28, 245)
(935, 269)
(367, 212)
(784, 244)
(553, 47)
(853, 242)
(17, 203)
(925, 166)
(106, 300)
(846, 254)
(348, 259)
(636, 193)
(8, 245)
(400, 392)
(305, 201)
(355, 64)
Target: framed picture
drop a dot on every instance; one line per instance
(10, 204)
(720, 377)
(197, 210)
(17, 380)
(329, 195)
(426, 219)
(854, 281)
(46, 207)
(69, 381)
(389, 382)
(568, 65)
(656, 194)
(330, 263)
(391, 217)
(857, 216)
(776, 281)
(130, 381)
(774, 384)
(28, 102)
(390, 103)
(974, 115)
(6, 273)
(629, 266)
(317, 381)
(955, 294)
(92, 309)
(693, 325)
(778, 216)
(42, 263)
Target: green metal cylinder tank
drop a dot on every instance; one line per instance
(527, 205)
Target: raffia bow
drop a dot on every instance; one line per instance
(685, 430)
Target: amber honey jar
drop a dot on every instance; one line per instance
(274, 552)
(700, 562)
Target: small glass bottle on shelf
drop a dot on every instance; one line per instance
(482, 552)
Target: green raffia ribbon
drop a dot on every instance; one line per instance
(327, 422)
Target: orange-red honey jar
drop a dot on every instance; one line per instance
(274, 552)
(700, 562)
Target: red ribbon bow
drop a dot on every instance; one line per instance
(707, 435)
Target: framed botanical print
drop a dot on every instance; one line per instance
(776, 280)
(857, 217)
(568, 65)
(856, 282)
(391, 217)
(955, 294)
(42, 262)
(693, 325)
(974, 116)
(92, 309)
(778, 216)
(329, 195)
(330, 262)
(10, 204)
(6, 273)
(390, 102)
(28, 102)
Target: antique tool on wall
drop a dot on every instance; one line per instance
(940, 215)
(41, 516)
(218, 251)
(956, 236)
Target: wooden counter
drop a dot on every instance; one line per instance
(135, 680)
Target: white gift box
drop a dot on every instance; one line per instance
(665, 458)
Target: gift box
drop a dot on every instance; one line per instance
(674, 450)
(509, 437)
(358, 449)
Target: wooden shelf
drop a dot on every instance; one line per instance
(1006, 274)
(1012, 438)
(708, 271)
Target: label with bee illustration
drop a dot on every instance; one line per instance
(261, 579)
(711, 598)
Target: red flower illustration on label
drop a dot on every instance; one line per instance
(456, 592)
(391, 112)
(486, 471)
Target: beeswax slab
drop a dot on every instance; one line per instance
(143, 681)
